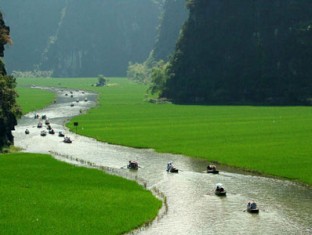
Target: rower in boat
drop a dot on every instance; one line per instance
(133, 165)
(252, 207)
(171, 168)
(212, 169)
(219, 191)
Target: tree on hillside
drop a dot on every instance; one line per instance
(9, 110)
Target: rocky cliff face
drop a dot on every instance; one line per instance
(81, 38)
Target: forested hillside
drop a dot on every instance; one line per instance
(243, 51)
(80, 38)
(173, 16)
(9, 112)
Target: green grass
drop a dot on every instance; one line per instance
(40, 195)
(33, 99)
(269, 140)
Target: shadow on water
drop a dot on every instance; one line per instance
(191, 205)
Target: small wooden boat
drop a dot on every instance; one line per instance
(72, 105)
(219, 191)
(86, 99)
(26, 131)
(212, 169)
(47, 122)
(133, 165)
(52, 132)
(171, 168)
(39, 125)
(67, 140)
(174, 170)
(252, 208)
(44, 117)
(61, 134)
(43, 133)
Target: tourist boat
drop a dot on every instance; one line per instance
(43, 133)
(67, 140)
(212, 169)
(133, 165)
(171, 168)
(51, 132)
(26, 131)
(86, 99)
(61, 134)
(47, 122)
(44, 117)
(252, 208)
(219, 191)
(39, 125)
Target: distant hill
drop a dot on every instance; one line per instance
(80, 38)
(243, 52)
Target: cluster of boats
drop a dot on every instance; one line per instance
(211, 169)
(77, 100)
(49, 130)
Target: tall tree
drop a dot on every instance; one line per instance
(9, 110)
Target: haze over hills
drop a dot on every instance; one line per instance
(80, 38)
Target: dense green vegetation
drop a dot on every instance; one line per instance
(9, 111)
(243, 52)
(269, 140)
(43, 196)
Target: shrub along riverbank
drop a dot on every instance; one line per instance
(269, 140)
(40, 195)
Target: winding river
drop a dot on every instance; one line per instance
(193, 208)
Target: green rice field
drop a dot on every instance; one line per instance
(35, 100)
(40, 195)
(269, 140)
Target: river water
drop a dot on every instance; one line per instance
(192, 207)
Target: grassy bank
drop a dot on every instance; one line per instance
(40, 195)
(33, 99)
(269, 140)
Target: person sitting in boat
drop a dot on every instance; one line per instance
(211, 167)
(169, 166)
(253, 205)
(133, 164)
(220, 188)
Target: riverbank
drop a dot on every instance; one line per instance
(44, 196)
(268, 140)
